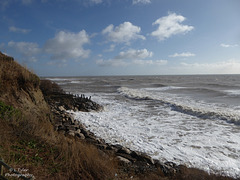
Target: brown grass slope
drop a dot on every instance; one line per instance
(27, 137)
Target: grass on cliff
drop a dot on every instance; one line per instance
(14, 75)
(30, 142)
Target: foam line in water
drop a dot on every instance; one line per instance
(198, 109)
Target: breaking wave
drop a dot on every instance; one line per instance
(187, 106)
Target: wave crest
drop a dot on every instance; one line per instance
(187, 106)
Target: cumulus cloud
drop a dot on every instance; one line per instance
(141, 1)
(111, 48)
(170, 25)
(19, 30)
(228, 45)
(68, 45)
(131, 57)
(124, 33)
(27, 49)
(184, 54)
(231, 66)
(134, 54)
(150, 62)
(121, 62)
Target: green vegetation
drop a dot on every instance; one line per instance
(8, 112)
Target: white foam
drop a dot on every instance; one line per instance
(211, 145)
(232, 92)
(164, 88)
(57, 79)
(75, 82)
(185, 105)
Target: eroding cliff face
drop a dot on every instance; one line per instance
(20, 88)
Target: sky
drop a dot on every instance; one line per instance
(122, 37)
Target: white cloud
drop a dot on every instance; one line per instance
(27, 49)
(131, 57)
(19, 30)
(111, 62)
(228, 45)
(67, 45)
(124, 33)
(150, 62)
(184, 54)
(61, 63)
(231, 66)
(121, 62)
(111, 48)
(141, 1)
(170, 25)
(134, 54)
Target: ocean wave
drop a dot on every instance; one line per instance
(233, 92)
(164, 88)
(187, 106)
(57, 79)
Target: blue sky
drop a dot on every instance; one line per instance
(122, 37)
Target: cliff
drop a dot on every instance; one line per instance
(28, 140)
(20, 88)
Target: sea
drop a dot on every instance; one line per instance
(193, 120)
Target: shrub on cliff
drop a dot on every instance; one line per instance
(49, 87)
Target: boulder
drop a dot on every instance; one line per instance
(142, 157)
(123, 160)
(71, 133)
(101, 146)
(61, 127)
(78, 131)
(61, 108)
(127, 156)
(71, 128)
(80, 135)
(124, 150)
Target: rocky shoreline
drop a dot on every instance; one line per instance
(126, 157)
(131, 162)
(61, 103)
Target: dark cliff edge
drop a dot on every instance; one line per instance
(40, 139)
